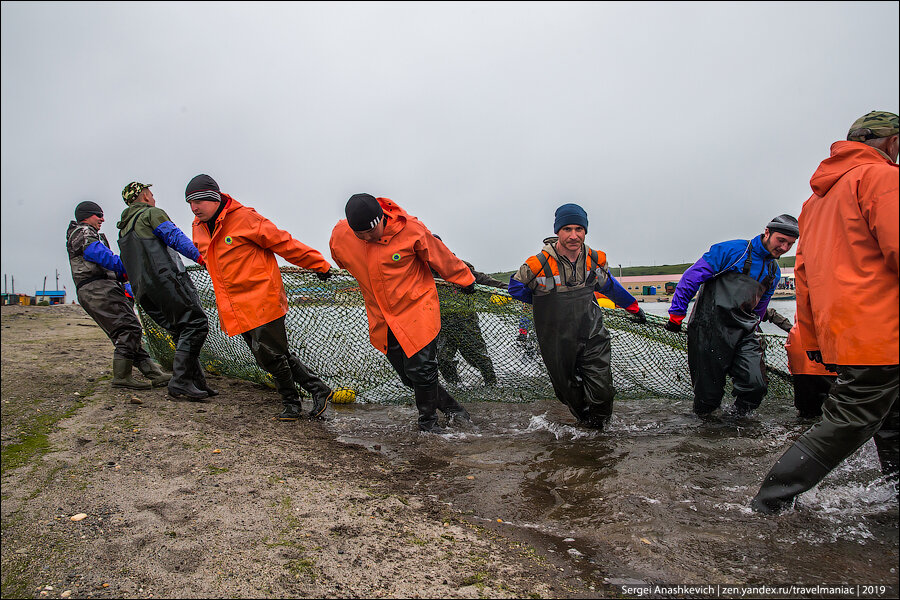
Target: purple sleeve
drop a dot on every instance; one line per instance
(690, 282)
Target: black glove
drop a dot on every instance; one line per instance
(816, 356)
(639, 317)
(469, 289)
(324, 276)
(673, 326)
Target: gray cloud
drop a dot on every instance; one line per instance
(676, 125)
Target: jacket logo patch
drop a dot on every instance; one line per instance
(228, 239)
(395, 257)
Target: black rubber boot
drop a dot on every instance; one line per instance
(122, 376)
(794, 473)
(427, 401)
(182, 382)
(199, 377)
(152, 371)
(292, 409)
(318, 389)
(886, 443)
(450, 407)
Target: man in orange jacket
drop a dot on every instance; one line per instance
(239, 247)
(849, 248)
(811, 380)
(391, 254)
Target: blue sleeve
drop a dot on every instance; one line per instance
(519, 290)
(174, 238)
(725, 255)
(613, 290)
(98, 253)
(690, 282)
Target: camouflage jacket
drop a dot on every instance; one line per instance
(78, 237)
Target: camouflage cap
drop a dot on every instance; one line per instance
(131, 191)
(876, 124)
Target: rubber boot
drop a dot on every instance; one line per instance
(427, 401)
(318, 389)
(886, 443)
(122, 376)
(794, 473)
(152, 371)
(182, 382)
(450, 407)
(199, 378)
(292, 408)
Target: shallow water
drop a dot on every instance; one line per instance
(658, 497)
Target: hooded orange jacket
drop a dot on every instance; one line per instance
(847, 259)
(394, 275)
(798, 362)
(240, 258)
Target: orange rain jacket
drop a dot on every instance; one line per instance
(798, 362)
(847, 259)
(394, 275)
(240, 258)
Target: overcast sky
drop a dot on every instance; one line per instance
(675, 125)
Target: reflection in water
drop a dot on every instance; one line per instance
(658, 497)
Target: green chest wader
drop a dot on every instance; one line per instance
(722, 339)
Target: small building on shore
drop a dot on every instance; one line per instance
(650, 285)
(50, 296)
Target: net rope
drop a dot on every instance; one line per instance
(327, 329)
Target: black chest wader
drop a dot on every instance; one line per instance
(460, 331)
(166, 293)
(575, 347)
(722, 340)
(862, 404)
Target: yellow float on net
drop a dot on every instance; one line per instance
(605, 302)
(499, 300)
(343, 396)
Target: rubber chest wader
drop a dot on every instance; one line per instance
(722, 339)
(103, 298)
(576, 348)
(163, 288)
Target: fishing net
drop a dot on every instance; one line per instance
(328, 330)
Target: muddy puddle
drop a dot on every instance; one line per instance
(659, 497)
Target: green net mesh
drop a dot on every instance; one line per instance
(328, 330)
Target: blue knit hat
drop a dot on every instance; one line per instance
(570, 214)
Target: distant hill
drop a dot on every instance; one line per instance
(787, 261)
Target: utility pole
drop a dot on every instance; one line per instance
(620, 271)
(44, 293)
(57, 280)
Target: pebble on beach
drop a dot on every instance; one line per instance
(78, 517)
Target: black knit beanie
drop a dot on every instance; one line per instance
(785, 224)
(363, 212)
(86, 209)
(202, 187)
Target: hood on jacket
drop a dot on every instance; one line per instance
(845, 156)
(397, 217)
(129, 212)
